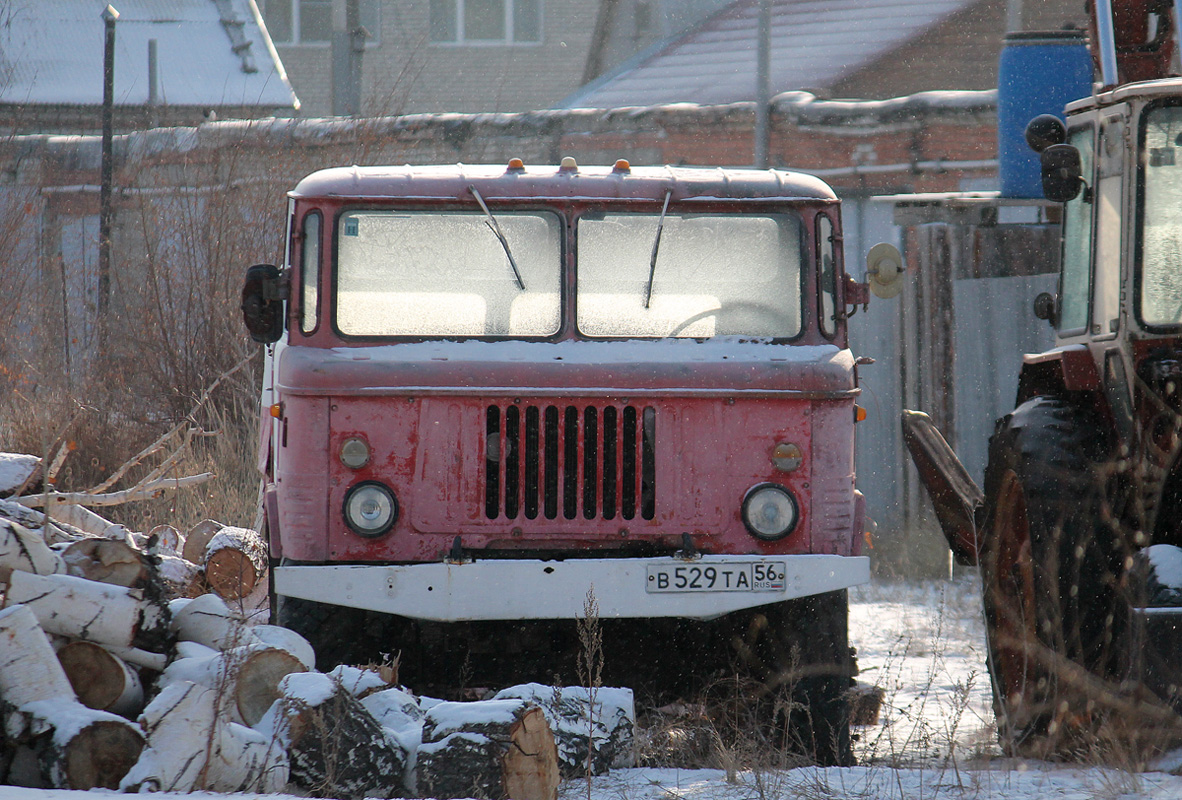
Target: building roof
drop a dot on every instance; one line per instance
(814, 44)
(210, 54)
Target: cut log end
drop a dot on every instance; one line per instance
(231, 574)
(99, 755)
(530, 766)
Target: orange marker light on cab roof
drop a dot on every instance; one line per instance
(622, 165)
(516, 165)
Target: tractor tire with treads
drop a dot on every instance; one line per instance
(1051, 559)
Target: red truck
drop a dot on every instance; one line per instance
(491, 390)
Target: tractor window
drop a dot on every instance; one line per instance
(1161, 214)
(689, 275)
(1076, 277)
(436, 273)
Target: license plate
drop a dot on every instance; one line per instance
(750, 576)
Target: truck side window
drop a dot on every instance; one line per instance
(310, 272)
(827, 274)
(1076, 277)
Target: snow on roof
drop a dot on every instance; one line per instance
(814, 43)
(51, 52)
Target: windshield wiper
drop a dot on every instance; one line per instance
(491, 222)
(652, 262)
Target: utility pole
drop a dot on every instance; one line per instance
(763, 80)
(109, 15)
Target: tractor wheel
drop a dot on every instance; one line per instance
(1050, 562)
(798, 654)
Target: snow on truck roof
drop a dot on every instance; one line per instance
(569, 181)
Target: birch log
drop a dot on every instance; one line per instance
(108, 561)
(235, 560)
(249, 676)
(26, 550)
(494, 749)
(335, 746)
(209, 621)
(193, 549)
(191, 748)
(82, 748)
(97, 612)
(101, 679)
(29, 669)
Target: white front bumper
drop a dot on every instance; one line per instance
(537, 589)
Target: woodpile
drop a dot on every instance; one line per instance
(144, 662)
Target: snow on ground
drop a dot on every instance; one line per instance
(923, 643)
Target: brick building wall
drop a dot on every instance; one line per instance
(197, 205)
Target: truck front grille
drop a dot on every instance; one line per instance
(547, 461)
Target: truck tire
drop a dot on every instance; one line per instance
(337, 634)
(798, 650)
(1050, 562)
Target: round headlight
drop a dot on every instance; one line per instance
(769, 511)
(354, 452)
(370, 509)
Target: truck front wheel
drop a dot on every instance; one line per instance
(798, 652)
(1050, 559)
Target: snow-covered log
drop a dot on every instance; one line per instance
(97, 612)
(79, 747)
(335, 746)
(52, 531)
(401, 716)
(108, 561)
(180, 578)
(248, 676)
(209, 621)
(26, 550)
(493, 749)
(29, 669)
(15, 471)
(83, 519)
(609, 726)
(101, 679)
(191, 747)
(235, 560)
(286, 639)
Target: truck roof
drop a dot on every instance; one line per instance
(1164, 87)
(569, 181)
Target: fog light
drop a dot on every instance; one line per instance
(370, 509)
(787, 456)
(769, 511)
(354, 452)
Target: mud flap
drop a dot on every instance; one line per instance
(956, 498)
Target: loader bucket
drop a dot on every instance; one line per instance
(955, 496)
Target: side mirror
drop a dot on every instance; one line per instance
(1043, 131)
(1062, 173)
(1044, 307)
(884, 270)
(262, 303)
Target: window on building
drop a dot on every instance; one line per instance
(499, 21)
(310, 21)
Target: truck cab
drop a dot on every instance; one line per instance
(496, 393)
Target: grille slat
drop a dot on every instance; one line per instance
(569, 461)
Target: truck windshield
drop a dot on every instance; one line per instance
(714, 275)
(1161, 215)
(434, 273)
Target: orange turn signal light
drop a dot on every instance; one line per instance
(859, 413)
(277, 410)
